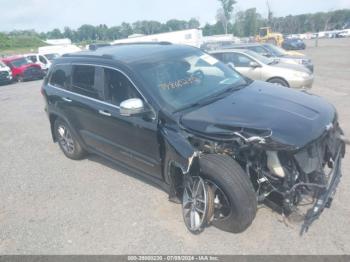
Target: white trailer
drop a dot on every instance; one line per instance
(192, 37)
(58, 49)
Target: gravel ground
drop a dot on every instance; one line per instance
(53, 205)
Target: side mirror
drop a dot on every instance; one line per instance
(266, 54)
(131, 107)
(231, 65)
(254, 64)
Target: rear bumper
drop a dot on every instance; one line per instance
(5, 81)
(5, 78)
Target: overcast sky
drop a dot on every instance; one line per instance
(43, 15)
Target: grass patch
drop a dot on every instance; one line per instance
(18, 44)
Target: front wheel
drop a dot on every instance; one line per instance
(278, 81)
(223, 195)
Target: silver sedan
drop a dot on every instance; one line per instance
(258, 67)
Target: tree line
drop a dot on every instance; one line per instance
(247, 23)
(102, 32)
(242, 23)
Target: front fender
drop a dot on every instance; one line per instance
(178, 150)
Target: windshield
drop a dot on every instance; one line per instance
(275, 50)
(19, 62)
(51, 57)
(183, 79)
(265, 60)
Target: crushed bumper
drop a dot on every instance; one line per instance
(326, 196)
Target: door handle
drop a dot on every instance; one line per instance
(105, 113)
(67, 99)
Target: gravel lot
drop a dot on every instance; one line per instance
(52, 205)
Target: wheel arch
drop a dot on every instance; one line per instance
(180, 158)
(280, 78)
(53, 116)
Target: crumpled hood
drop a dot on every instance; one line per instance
(294, 118)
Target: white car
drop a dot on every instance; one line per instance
(5, 74)
(40, 60)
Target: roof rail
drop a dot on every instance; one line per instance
(95, 46)
(91, 55)
(144, 43)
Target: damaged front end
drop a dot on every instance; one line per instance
(319, 163)
(286, 178)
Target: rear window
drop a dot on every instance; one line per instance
(60, 76)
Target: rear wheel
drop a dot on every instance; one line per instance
(20, 79)
(67, 142)
(278, 81)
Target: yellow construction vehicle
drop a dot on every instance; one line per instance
(267, 36)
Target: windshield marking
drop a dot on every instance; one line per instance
(179, 83)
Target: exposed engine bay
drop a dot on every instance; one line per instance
(284, 177)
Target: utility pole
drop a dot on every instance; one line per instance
(269, 13)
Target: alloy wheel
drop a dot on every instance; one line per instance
(194, 203)
(65, 139)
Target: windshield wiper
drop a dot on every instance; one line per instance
(213, 97)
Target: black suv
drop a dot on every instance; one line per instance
(217, 142)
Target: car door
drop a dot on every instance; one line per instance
(77, 97)
(131, 140)
(242, 64)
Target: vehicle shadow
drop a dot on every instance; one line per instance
(125, 171)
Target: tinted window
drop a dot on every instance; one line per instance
(60, 76)
(52, 56)
(83, 81)
(118, 87)
(274, 50)
(258, 49)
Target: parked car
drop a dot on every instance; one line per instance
(5, 74)
(217, 142)
(39, 60)
(275, 52)
(293, 44)
(344, 33)
(257, 67)
(22, 69)
(51, 56)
